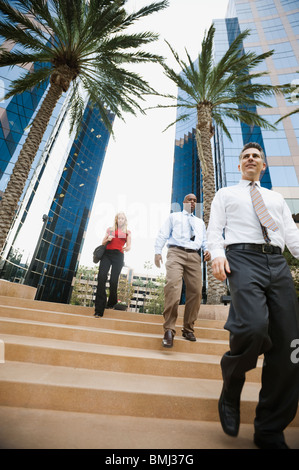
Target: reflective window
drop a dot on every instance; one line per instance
(266, 8)
(294, 208)
(276, 144)
(253, 36)
(295, 121)
(287, 77)
(186, 169)
(244, 11)
(270, 100)
(262, 66)
(284, 55)
(294, 22)
(273, 29)
(283, 176)
(289, 5)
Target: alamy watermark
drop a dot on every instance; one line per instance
(295, 353)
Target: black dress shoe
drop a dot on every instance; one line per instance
(229, 413)
(97, 315)
(267, 445)
(168, 339)
(188, 335)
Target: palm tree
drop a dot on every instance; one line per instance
(228, 89)
(294, 99)
(77, 45)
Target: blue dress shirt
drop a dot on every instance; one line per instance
(178, 230)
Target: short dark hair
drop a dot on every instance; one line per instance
(252, 145)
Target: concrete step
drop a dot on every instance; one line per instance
(43, 308)
(205, 329)
(95, 391)
(63, 366)
(96, 335)
(24, 428)
(116, 393)
(216, 313)
(115, 358)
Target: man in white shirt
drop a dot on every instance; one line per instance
(186, 235)
(263, 316)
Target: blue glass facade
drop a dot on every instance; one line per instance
(185, 163)
(274, 25)
(16, 115)
(57, 258)
(45, 242)
(53, 266)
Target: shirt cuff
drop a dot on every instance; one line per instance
(217, 253)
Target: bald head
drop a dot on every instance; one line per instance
(190, 201)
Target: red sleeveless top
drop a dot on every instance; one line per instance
(118, 241)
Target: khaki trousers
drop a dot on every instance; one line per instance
(182, 265)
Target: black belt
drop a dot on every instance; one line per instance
(265, 248)
(188, 250)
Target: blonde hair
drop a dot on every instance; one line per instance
(125, 228)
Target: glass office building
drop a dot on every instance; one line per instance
(44, 245)
(53, 268)
(16, 115)
(187, 164)
(46, 240)
(274, 25)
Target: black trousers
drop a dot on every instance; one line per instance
(113, 259)
(264, 319)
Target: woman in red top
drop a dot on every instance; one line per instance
(118, 239)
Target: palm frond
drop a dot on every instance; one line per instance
(230, 88)
(12, 58)
(295, 111)
(28, 81)
(88, 39)
(205, 60)
(146, 11)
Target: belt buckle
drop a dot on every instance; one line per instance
(267, 249)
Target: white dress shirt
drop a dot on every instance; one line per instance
(178, 229)
(233, 220)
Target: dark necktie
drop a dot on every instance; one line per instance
(265, 218)
(192, 234)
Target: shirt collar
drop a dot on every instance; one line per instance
(187, 213)
(245, 183)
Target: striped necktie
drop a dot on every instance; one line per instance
(265, 218)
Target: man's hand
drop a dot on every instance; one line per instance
(158, 261)
(220, 267)
(207, 255)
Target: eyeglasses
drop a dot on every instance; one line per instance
(253, 155)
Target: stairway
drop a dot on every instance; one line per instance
(70, 380)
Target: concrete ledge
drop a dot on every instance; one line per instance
(209, 312)
(13, 289)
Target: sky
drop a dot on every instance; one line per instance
(136, 177)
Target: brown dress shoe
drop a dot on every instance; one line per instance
(168, 339)
(188, 335)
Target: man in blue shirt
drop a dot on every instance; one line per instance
(185, 235)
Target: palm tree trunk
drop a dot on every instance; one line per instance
(16, 184)
(204, 133)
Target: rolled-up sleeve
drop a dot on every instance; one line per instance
(291, 231)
